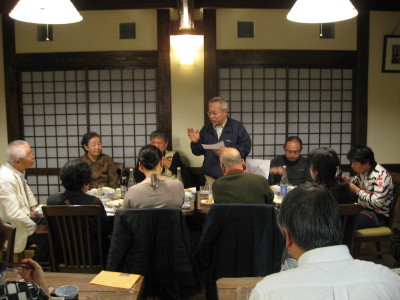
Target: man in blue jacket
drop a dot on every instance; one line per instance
(220, 128)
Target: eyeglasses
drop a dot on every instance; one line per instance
(293, 151)
(214, 113)
(31, 153)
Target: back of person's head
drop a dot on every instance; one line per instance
(223, 103)
(2, 242)
(149, 157)
(159, 134)
(75, 174)
(230, 158)
(361, 154)
(326, 162)
(86, 138)
(16, 150)
(294, 138)
(311, 215)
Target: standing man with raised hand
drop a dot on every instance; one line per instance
(17, 202)
(221, 128)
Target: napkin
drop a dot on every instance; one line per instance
(116, 279)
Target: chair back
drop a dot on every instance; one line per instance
(348, 221)
(7, 253)
(75, 236)
(394, 215)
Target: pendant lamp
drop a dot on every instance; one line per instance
(321, 11)
(46, 12)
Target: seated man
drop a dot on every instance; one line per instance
(17, 202)
(239, 187)
(310, 221)
(171, 160)
(373, 185)
(298, 170)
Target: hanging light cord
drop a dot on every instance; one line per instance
(47, 32)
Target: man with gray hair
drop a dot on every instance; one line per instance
(221, 128)
(239, 187)
(309, 219)
(17, 202)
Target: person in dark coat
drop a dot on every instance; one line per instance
(325, 170)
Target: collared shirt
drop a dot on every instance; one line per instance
(330, 273)
(104, 172)
(219, 129)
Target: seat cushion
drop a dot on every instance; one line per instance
(374, 232)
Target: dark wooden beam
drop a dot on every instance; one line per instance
(11, 80)
(164, 73)
(86, 59)
(210, 57)
(360, 105)
(287, 57)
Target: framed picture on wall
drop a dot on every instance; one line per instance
(391, 53)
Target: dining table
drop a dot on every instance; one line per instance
(87, 291)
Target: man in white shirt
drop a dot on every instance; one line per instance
(310, 221)
(17, 202)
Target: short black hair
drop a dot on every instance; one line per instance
(310, 213)
(75, 174)
(159, 134)
(294, 138)
(87, 137)
(361, 154)
(326, 162)
(149, 157)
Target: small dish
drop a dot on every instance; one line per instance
(207, 202)
(67, 291)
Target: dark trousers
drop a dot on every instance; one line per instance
(42, 253)
(369, 219)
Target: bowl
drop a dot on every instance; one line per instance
(67, 291)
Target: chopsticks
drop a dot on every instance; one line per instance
(22, 265)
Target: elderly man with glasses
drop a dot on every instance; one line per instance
(221, 128)
(297, 167)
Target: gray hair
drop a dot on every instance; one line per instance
(311, 215)
(159, 134)
(221, 101)
(230, 159)
(16, 150)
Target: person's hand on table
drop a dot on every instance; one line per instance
(276, 170)
(193, 134)
(31, 271)
(219, 151)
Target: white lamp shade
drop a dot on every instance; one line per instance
(321, 11)
(46, 12)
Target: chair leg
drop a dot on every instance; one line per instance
(378, 249)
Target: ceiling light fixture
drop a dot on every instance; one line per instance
(321, 11)
(45, 12)
(186, 14)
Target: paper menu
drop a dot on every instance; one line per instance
(116, 279)
(258, 166)
(213, 146)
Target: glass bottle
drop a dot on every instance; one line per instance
(284, 182)
(124, 186)
(179, 174)
(131, 180)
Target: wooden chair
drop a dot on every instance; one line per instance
(75, 236)
(382, 233)
(348, 220)
(7, 253)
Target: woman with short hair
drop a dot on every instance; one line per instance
(325, 170)
(154, 191)
(104, 172)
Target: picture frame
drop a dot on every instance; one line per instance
(391, 54)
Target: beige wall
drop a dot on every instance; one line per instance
(383, 93)
(3, 118)
(99, 32)
(273, 31)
